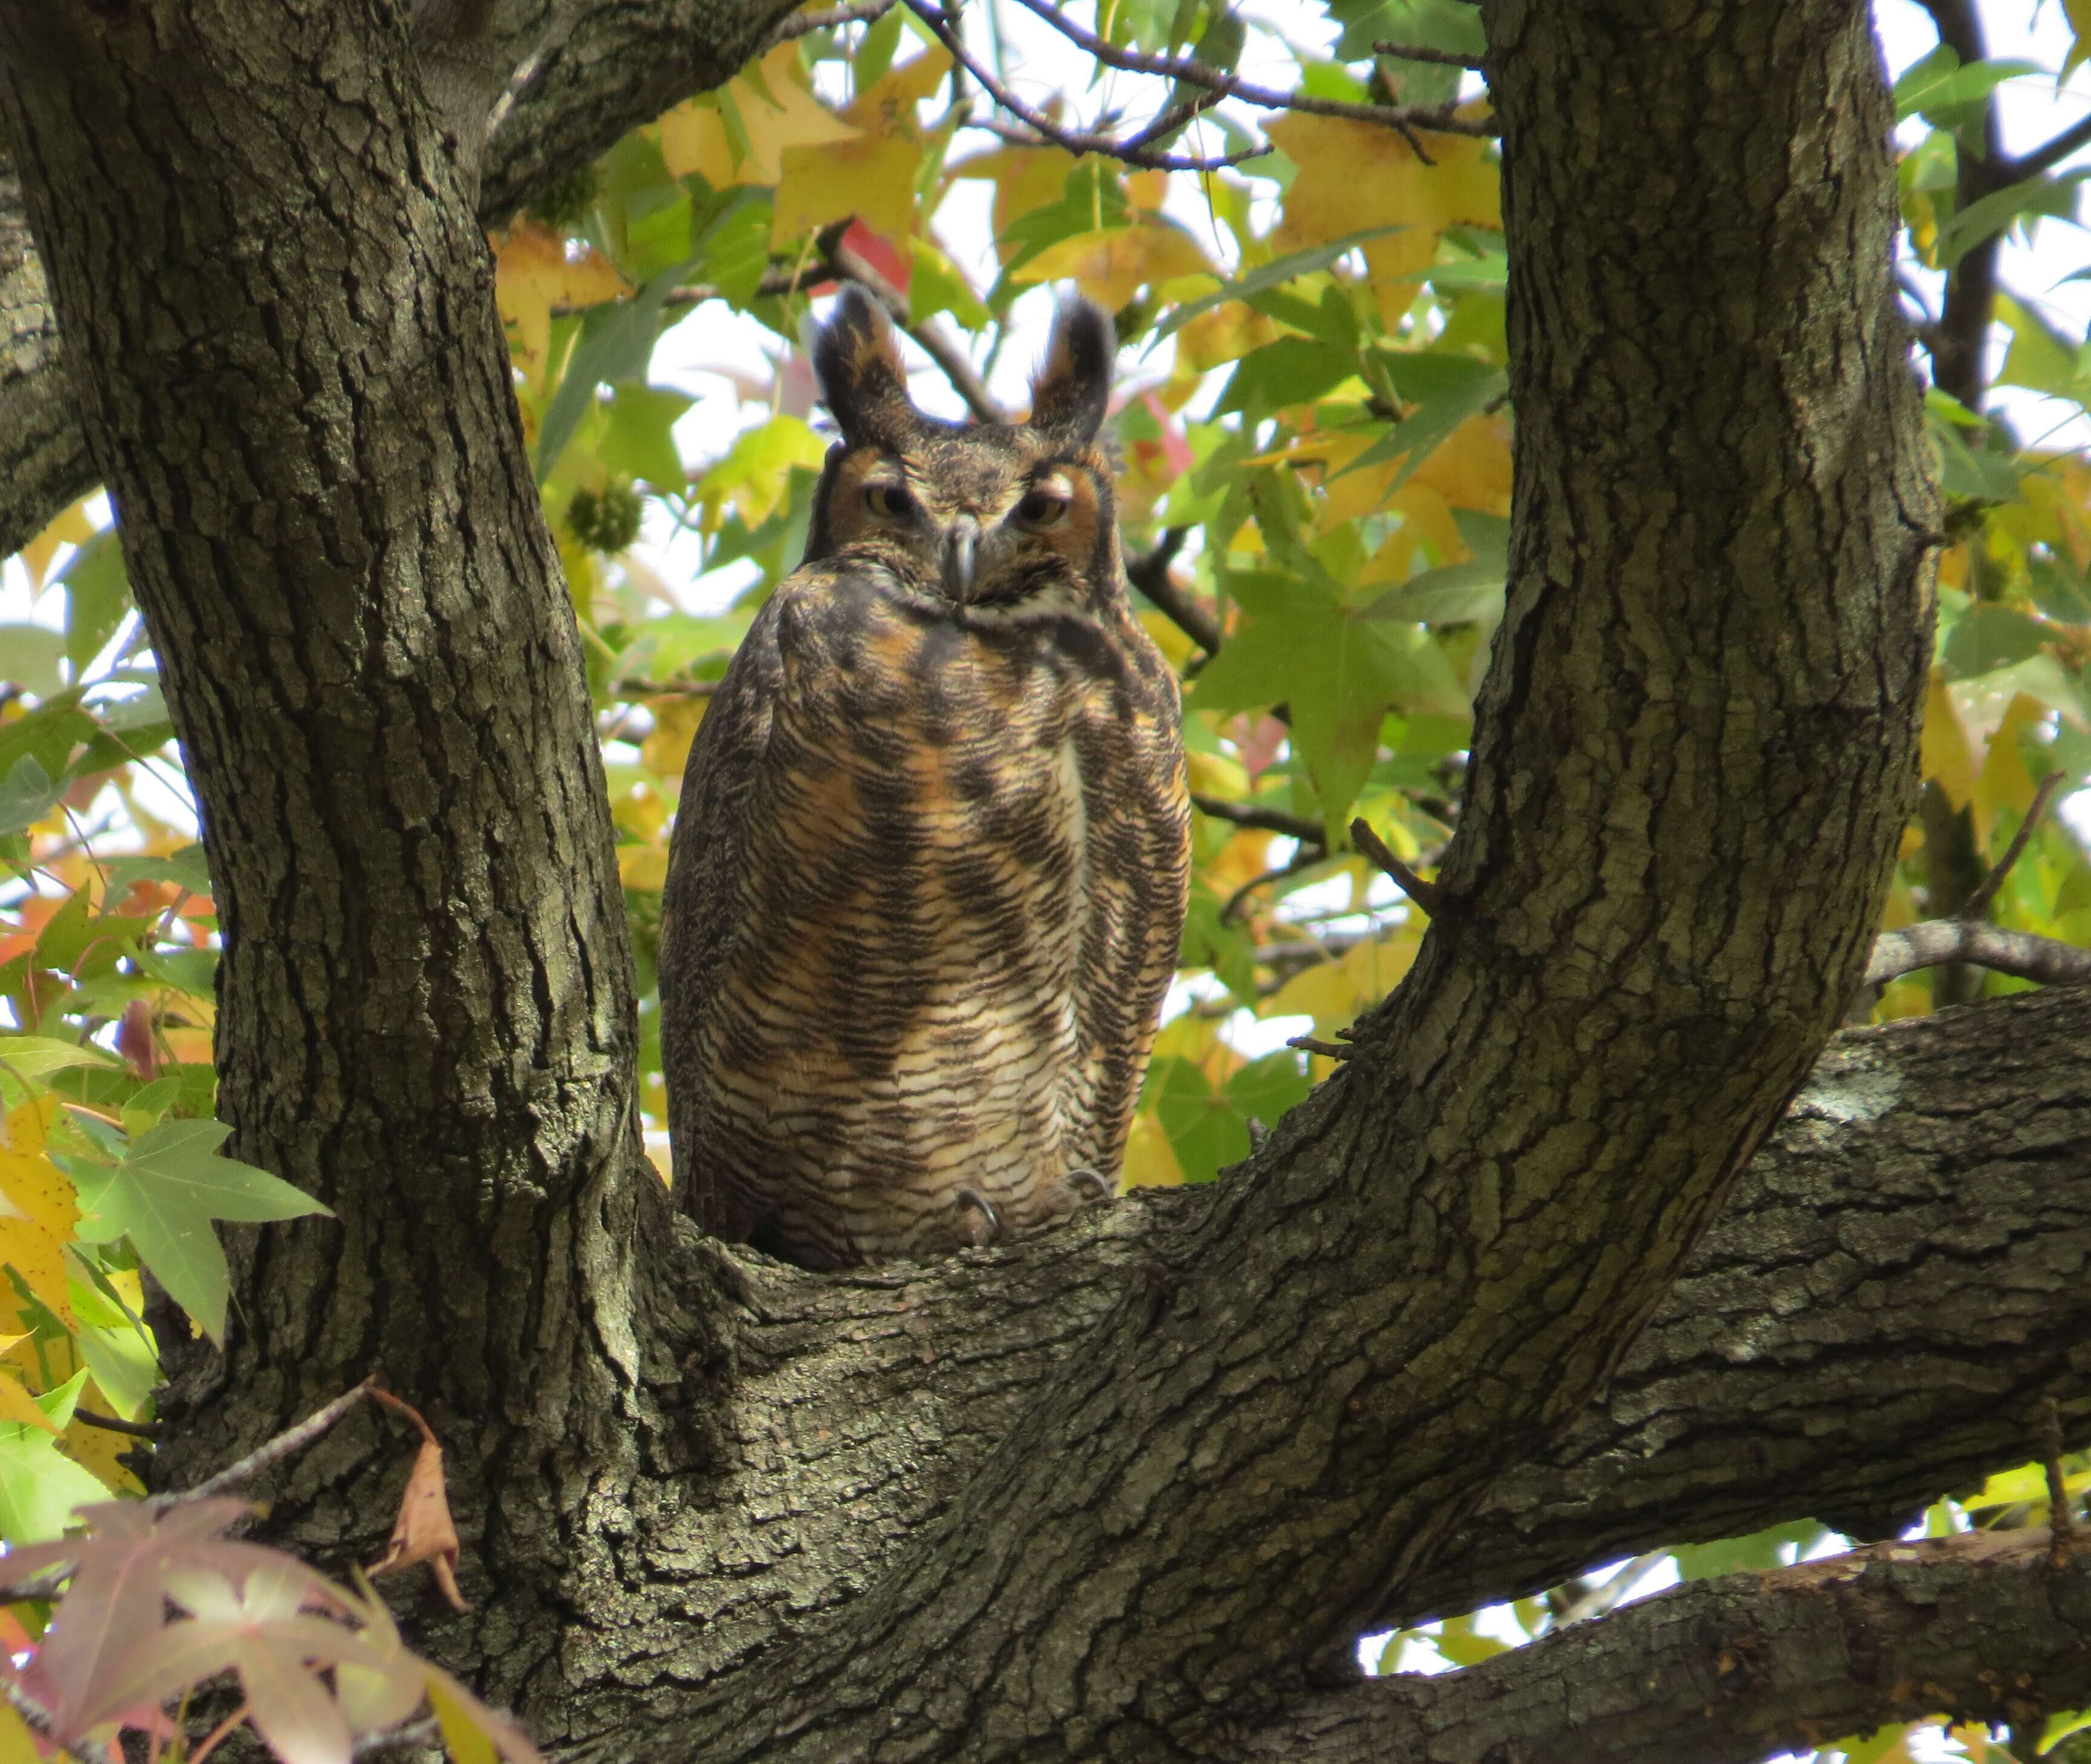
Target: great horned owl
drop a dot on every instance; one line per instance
(928, 874)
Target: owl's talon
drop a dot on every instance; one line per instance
(990, 1228)
(1101, 1193)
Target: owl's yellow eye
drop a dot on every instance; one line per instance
(888, 499)
(1041, 508)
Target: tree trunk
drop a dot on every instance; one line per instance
(1127, 1491)
(298, 394)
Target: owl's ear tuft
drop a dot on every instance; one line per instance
(1072, 391)
(863, 379)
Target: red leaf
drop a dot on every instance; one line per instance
(896, 266)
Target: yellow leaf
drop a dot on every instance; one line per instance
(871, 178)
(1333, 993)
(1176, 649)
(757, 471)
(71, 528)
(1470, 468)
(1150, 1160)
(1944, 751)
(462, 1734)
(17, 1745)
(1112, 264)
(17, 1405)
(870, 175)
(1356, 175)
(533, 274)
(1214, 774)
(2004, 781)
(40, 1212)
(667, 750)
(1223, 334)
(643, 867)
(693, 135)
(99, 1451)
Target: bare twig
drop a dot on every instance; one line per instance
(2061, 1521)
(1262, 819)
(1444, 58)
(835, 261)
(138, 1429)
(1978, 903)
(1149, 574)
(1328, 1050)
(833, 18)
(1428, 896)
(665, 689)
(287, 1443)
(1041, 131)
(1977, 942)
(1304, 859)
(1189, 71)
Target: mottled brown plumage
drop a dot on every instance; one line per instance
(928, 868)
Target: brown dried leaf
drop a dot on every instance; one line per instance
(425, 1531)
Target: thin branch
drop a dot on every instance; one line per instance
(1149, 574)
(833, 19)
(1444, 58)
(1304, 859)
(1189, 71)
(1262, 819)
(1328, 1050)
(1978, 905)
(1428, 896)
(2061, 1520)
(2046, 157)
(1043, 132)
(287, 1443)
(138, 1429)
(664, 689)
(1983, 945)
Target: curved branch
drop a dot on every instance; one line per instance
(1938, 941)
(1978, 1627)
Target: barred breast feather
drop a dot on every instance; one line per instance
(924, 917)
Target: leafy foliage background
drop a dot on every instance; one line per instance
(1316, 445)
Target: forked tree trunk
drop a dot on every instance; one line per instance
(718, 1510)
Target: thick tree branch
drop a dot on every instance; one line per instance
(585, 81)
(1651, 938)
(1979, 1628)
(44, 463)
(1901, 1280)
(1981, 944)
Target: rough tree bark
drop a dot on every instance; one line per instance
(1129, 1491)
(562, 81)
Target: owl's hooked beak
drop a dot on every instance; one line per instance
(961, 546)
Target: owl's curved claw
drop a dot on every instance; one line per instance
(990, 1225)
(1100, 1192)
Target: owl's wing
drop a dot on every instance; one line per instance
(1138, 852)
(706, 899)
